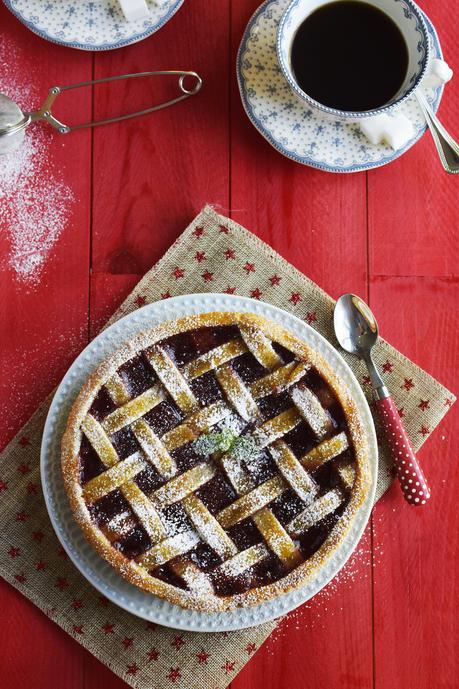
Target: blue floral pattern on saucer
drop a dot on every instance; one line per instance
(90, 24)
(298, 130)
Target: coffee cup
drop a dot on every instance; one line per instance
(404, 14)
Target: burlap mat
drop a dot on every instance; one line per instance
(214, 254)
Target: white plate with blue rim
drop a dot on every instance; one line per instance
(297, 129)
(96, 570)
(96, 25)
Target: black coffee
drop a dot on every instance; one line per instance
(349, 55)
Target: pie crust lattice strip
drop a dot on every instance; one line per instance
(215, 461)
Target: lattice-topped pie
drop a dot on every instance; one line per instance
(215, 461)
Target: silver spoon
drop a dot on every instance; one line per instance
(357, 332)
(447, 148)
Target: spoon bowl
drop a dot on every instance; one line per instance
(357, 332)
(355, 326)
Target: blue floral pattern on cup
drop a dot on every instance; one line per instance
(299, 130)
(90, 24)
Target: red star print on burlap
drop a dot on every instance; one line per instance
(388, 367)
(77, 603)
(202, 657)
(38, 536)
(295, 298)
(3, 485)
(78, 628)
(174, 674)
(229, 290)
(256, 293)
(311, 317)
(151, 626)
(224, 230)
(24, 441)
(40, 566)
(275, 280)
(108, 628)
(14, 552)
(132, 669)
(424, 404)
(408, 384)
(230, 253)
(153, 654)
(198, 232)
(32, 488)
(249, 267)
(127, 641)
(228, 666)
(61, 583)
(178, 641)
(207, 276)
(401, 412)
(22, 516)
(366, 380)
(166, 295)
(200, 256)
(448, 402)
(20, 578)
(140, 300)
(424, 430)
(250, 648)
(178, 273)
(24, 468)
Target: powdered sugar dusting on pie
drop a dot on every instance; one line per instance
(228, 526)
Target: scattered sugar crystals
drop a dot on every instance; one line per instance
(357, 567)
(34, 201)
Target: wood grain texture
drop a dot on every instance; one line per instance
(390, 235)
(412, 205)
(302, 213)
(416, 598)
(153, 174)
(35, 332)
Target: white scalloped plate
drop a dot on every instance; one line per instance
(101, 575)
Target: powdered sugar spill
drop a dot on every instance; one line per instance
(34, 201)
(323, 605)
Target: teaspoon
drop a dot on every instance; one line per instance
(357, 332)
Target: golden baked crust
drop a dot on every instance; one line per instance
(200, 596)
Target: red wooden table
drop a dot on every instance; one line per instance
(390, 235)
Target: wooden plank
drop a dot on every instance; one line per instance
(152, 175)
(37, 333)
(318, 222)
(413, 210)
(34, 649)
(416, 623)
(314, 219)
(44, 323)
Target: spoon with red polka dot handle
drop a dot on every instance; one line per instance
(357, 332)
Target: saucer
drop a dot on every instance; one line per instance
(96, 25)
(299, 130)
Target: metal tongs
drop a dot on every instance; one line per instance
(13, 121)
